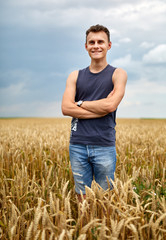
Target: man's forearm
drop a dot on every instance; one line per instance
(105, 105)
(102, 106)
(73, 110)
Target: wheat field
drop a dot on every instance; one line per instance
(37, 196)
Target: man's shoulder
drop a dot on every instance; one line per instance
(84, 69)
(120, 71)
(119, 74)
(111, 68)
(76, 72)
(72, 78)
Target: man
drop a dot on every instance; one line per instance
(91, 97)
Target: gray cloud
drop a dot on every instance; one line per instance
(43, 41)
(140, 15)
(147, 45)
(156, 55)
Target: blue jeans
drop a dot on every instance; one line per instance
(91, 160)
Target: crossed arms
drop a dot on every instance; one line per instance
(97, 108)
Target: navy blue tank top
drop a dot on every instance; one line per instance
(99, 131)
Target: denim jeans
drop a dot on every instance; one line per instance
(92, 160)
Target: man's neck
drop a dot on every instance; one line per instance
(96, 66)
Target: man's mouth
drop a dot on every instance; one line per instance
(96, 51)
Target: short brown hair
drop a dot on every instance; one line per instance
(98, 28)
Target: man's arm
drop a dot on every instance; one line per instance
(109, 104)
(69, 107)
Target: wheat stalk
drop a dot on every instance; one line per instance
(82, 237)
(61, 237)
(29, 232)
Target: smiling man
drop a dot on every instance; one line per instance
(91, 97)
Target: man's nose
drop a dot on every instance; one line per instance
(96, 45)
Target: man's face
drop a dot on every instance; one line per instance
(97, 45)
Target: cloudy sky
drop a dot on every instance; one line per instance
(42, 41)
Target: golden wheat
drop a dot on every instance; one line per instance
(37, 194)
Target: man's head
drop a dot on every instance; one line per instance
(97, 42)
(98, 28)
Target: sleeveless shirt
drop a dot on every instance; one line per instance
(98, 131)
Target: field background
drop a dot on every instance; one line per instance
(37, 197)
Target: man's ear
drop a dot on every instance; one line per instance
(109, 45)
(86, 46)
